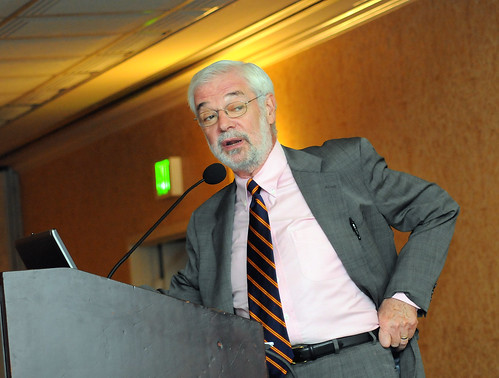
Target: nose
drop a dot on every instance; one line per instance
(224, 122)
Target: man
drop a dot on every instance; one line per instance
(349, 303)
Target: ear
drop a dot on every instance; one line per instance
(270, 108)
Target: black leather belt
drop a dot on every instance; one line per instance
(309, 352)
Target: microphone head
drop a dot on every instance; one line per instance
(214, 174)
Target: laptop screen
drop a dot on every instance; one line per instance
(44, 250)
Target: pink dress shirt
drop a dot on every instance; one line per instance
(320, 301)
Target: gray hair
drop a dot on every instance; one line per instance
(258, 80)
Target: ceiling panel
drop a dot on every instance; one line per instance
(21, 67)
(206, 4)
(53, 47)
(51, 7)
(11, 112)
(80, 25)
(66, 81)
(7, 97)
(98, 63)
(7, 7)
(134, 43)
(20, 85)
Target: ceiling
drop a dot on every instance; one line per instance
(64, 61)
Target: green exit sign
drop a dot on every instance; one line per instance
(168, 173)
(163, 178)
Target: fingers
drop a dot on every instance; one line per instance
(398, 322)
(398, 340)
(398, 343)
(384, 337)
(404, 340)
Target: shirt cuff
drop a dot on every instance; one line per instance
(402, 297)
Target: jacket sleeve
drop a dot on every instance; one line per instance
(185, 284)
(410, 204)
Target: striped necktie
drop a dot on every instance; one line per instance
(263, 292)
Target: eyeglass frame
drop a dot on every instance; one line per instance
(216, 111)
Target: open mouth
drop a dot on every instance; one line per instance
(231, 142)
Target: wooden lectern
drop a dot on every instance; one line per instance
(68, 323)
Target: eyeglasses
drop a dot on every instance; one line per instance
(235, 109)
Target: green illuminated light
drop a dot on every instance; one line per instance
(151, 21)
(163, 180)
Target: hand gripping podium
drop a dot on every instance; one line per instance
(68, 323)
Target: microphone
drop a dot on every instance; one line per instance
(212, 175)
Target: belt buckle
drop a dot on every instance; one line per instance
(299, 347)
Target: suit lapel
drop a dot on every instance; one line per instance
(322, 191)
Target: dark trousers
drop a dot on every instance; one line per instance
(362, 361)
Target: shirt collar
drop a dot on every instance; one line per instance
(267, 177)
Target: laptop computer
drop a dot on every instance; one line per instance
(44, 250)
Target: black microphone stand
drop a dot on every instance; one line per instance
(136, 245)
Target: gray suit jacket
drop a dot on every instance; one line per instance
(339, 180)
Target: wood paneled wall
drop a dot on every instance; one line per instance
(421, 83)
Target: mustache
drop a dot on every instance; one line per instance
(232, 134)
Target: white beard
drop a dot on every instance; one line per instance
(257, 152)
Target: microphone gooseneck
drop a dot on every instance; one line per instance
(213, 174)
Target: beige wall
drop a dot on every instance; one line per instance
(421, 83)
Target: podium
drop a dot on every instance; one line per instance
(68, 323)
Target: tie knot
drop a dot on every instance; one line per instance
(252, 187)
